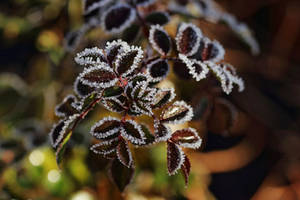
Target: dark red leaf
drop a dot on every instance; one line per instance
(179, 112)
(187, 138)
(133, 132)
(118, 18)
(160, 40)
(188, 39)
(162, 132)
(158, 69)
(175, 157)
(107, 128)
(124, 153)
(158, 17)
(185, 169)
(106, 148)
(100, 76)
(81, 89)
(65, 108)
(120, 174)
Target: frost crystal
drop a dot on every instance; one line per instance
(106, 127)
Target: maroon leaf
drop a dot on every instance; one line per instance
(158, 69)
(100, 76)
(162, 97)
(106, 148)
(65, 108)
(90, 56)
(175, 157)
(124, 153)
(160, 40)
(118, 17)
(128, 60)
(188, 39)
(177, 113)
(150, 139)
(107, 128)
(133, 132)
(120, 174)
(81, 89)
(185, 169)
(115, 104)
(187, 138)
(162, 132)
(60, 130)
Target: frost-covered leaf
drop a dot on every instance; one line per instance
(131, 33)
(179, 112)
(118, 17)
(128, 60)
(213, 51)
(175, 157)
(188, 39)
(112, 50)
(158, 69)
(120, 174)
(160, 39)
(144, 3)
(106, 148)
(81, 89)
(187, 138)
(132, 131)
(91, 5)
(114, 91)
(90, 56)
(149, 137)
(100, 76)
(157, 17)
(124, 153)
(65, 108)
(162, 97)
(162, 132)
(230, 71)
(107, 128)
(185, 169)
(115, 104)
(60, 130)
(197, 69)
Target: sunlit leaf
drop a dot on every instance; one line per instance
(162, 97)
(187, 138)
(179, 112)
